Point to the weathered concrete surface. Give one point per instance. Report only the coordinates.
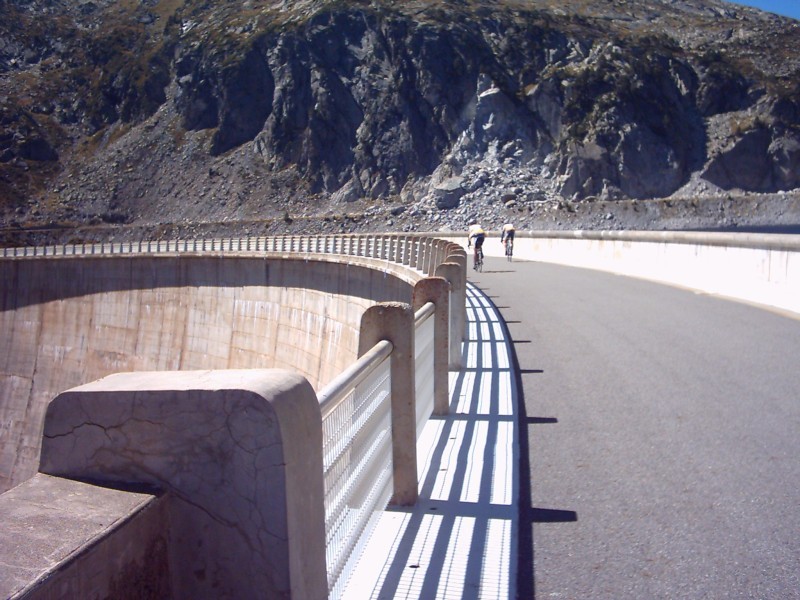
(240, 452)
(437, 290)
(67, 321)
(455, 274)
(395, 322)
(66, 539)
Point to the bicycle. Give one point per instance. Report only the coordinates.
(509, 248)
(477, 263)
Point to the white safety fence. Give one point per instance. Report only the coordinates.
(419, 252)
(357, 445)
(357, 457)
(423, 361)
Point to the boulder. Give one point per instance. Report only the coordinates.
(448, 193)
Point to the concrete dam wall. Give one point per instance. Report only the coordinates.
(70, 320)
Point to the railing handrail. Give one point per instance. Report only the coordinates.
(419, 252)
(337, 390)
(425, 312)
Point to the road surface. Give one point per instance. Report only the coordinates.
(663, 438)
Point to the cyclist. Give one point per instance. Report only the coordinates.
(507, 237)
(476, 232)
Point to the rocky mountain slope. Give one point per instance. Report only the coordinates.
(173, 117)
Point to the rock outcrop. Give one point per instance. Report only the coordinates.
(197, 110)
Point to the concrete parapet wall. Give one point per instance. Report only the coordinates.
(759, 268)
(69, 320)
(67, 539)
(240, 453)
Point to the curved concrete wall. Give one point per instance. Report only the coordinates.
(758, 268)
(67, 321)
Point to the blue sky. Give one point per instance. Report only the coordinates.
(789, 8)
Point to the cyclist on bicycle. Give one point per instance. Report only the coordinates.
(476, 232)
(507, 234)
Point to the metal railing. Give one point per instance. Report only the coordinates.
(357, 444)
(419, 252)
(356, 406)
(357, 457)
(423, 363)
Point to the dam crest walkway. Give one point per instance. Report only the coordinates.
(459, 540)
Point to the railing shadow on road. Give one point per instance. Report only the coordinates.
(540, 420)
(470, 533)
(460, 540)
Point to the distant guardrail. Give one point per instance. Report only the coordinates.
(419, 252)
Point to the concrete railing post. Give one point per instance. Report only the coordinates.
(394, 321)
(414, 244)
(382, 247)
(240, 452)
(457, 277)
(459, 256)
(393, 248)
(430, 263)
(437, 290)
(422, 254)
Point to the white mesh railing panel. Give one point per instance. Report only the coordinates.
(357, 458)
(423, 351)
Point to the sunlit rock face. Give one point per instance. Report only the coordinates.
(202, 110)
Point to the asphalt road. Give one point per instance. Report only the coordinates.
(663, 438)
